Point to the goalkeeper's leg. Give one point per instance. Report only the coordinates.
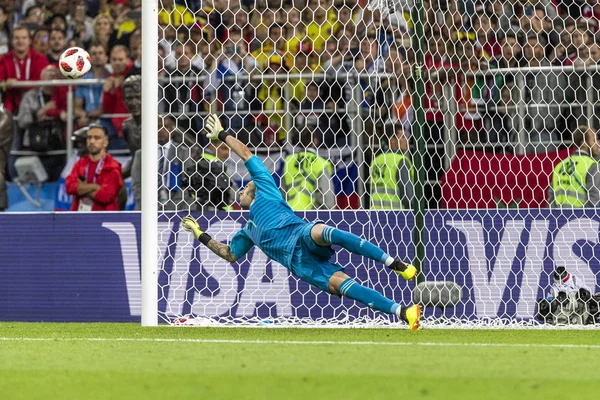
(324, 235)
(342, 285)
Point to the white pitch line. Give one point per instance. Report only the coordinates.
(299, 342)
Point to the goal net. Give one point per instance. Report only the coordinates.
(437, 126)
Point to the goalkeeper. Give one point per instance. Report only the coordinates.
(304, 248)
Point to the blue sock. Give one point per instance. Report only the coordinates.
(354, 244)
(368, 296)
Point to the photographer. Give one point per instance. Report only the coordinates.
(568, 303)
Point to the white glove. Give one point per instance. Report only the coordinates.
(214, 127)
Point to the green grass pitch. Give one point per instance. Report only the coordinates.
(126, 361)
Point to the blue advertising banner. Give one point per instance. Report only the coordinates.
(86, 266)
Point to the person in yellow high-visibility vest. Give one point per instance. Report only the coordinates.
(392, 175)
(576, 179)
(306, 180)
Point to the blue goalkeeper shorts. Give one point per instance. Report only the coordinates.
(311, 262)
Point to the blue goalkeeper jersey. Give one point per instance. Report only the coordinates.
(272, 224)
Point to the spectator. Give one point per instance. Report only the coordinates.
(184, 96)
(564, 49)
(512, 55)
(174, 14)
(80, 27)
(163, 74)
(262, 18)
(323, 22)
(57, 21)
(34, 16)
(306, 181)
(502, 121)
(20, 64)
(41, 41)
(576, 180)
(13, 16)
(572, 8)
(200, 37)
(241, 18)
(544, 91)
(368, 60)
(576, 88)
(135, 47)
(6, 128)
(345, 14)
(88, 98)
(41, 116)
(303, 64)
(167, 36)
(132, 127)
(581, 38)
(311, 109)
(102, 30)
(485, 27)
(112, 92)
(269, 98)
(177, 152)
(274, 45)
(592, 12)
(392, 175)
(224, 18)
(4, 32)
(540, 24)
(437, 65)
(229, 91)
(404, 113)
(58, 44)
(95, 180)
(336, 90)
(471, 93)
(125, 24)
(58, 7)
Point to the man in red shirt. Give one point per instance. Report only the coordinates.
(112, 92)
(20, 64)
(96, 179)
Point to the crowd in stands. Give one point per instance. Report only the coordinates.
(273, 68)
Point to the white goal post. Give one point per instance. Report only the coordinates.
(505, 97)
(149, 167)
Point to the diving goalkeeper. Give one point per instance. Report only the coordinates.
(304, 248)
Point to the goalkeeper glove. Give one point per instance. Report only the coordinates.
(215, 129)
(190, 225)
(214, 126)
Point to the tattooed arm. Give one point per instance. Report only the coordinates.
(240, 244)
(222, 250)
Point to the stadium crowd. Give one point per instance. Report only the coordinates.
(275, 68)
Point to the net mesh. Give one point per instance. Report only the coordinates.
(505, 86)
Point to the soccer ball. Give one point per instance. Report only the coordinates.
(74, 63)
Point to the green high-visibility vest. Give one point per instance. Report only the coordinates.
(568, 181)
(301, 172)
(385, 181)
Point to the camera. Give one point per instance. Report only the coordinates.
(209, 184)
(568, 303)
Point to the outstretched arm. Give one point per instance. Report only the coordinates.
(216, 131)
(220, 249)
